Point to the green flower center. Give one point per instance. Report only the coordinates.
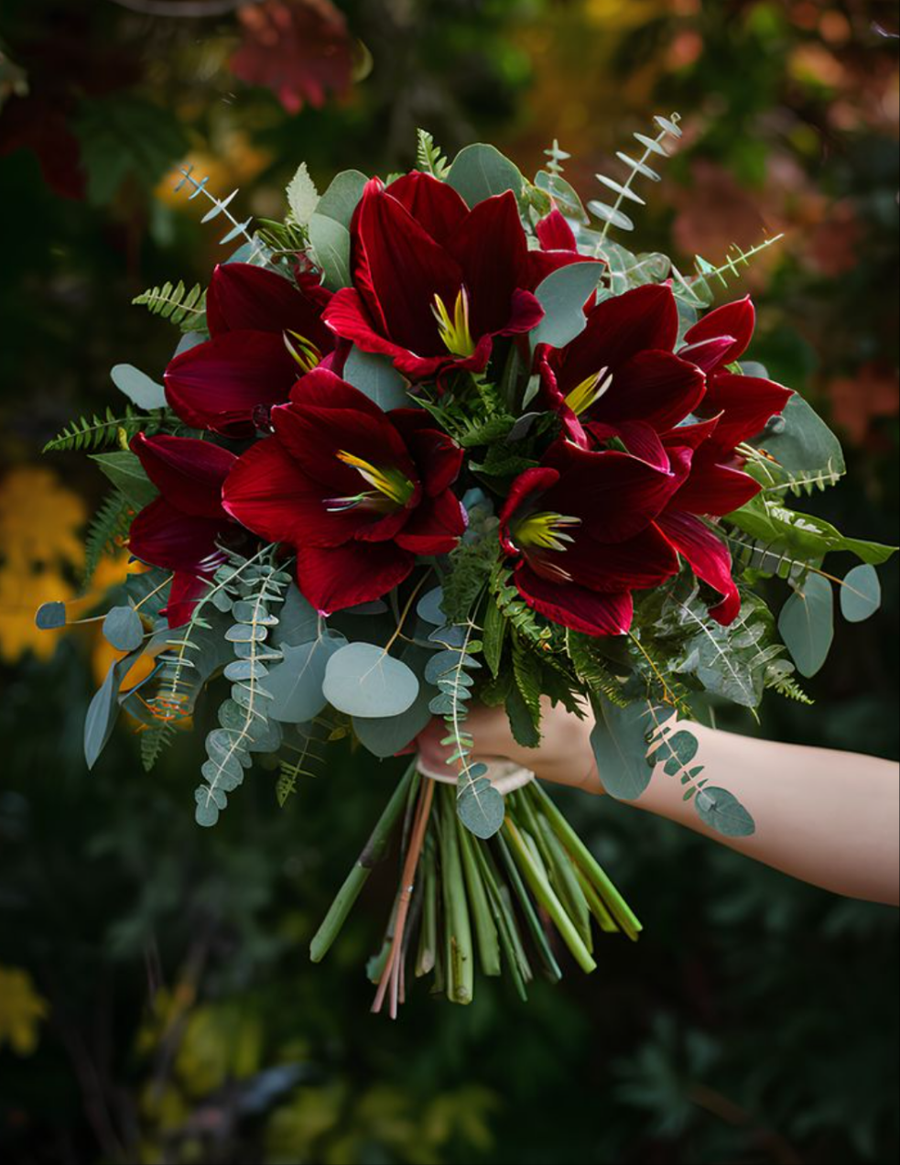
(589, 391)
(455, 330)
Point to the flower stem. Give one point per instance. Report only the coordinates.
(543, 891)
(485, 928)
(618, 907)
(372, 854)
(460, 955)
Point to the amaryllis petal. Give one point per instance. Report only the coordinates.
(348, 316)
(187, 472)
(524, 315)
(715, 489)
(654, 386)
(707, 355)
(268, 492)
(407, 269)
(322, 388)
(708, 557)
(438, 458)
(527, 488)
(640, 439)
(617, 495)
(162, 535)
(576, 607)
(435, 526)
(492, 252)
(543, 263)
(733, 319)
(432, 203)
(219, 384)
(747, 404)
(321, 440)
(243, 297)
(640, 562)
(555, 234)
(349, 575)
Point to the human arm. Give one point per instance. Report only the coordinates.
(827, 817)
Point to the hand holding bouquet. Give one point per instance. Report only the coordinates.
(439, 440)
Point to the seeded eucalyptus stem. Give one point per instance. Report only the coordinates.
(373, 852)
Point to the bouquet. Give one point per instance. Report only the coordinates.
(441, 439)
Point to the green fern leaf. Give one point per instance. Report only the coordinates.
(109, 525)
(429, 157)
(93, 432)
(153, 742)
(185, 307)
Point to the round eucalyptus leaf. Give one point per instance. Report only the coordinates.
(479, 806)
(429, 608)
(563, 295)
(724, 813)
(480, 172)
(50, 616)
(296, 686)
(138, 387)
(363, 680)
(860, 594)
(123, 629)
(806, 624)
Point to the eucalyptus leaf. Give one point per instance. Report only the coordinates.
(298, 621)
(479, 805)
(342, 197)
(378, 379)
(386, 736)
(429, 607)
(619, 743)
(296, 685)
(103, 710)
(803, 445)
(724, 813)
(480, 172)
(806, 624)
(806, 537)
(138, 387)
(563, 295)
(123, 629)
(364, 681)
(331, 241)
(127, 474)
(50, 616)
(860, 594)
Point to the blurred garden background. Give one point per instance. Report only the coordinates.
(156, 999)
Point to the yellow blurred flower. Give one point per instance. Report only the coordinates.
(21, 1010)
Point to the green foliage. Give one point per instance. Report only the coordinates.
(614, 216)
(109, 526)
(806, 623)
(797, 451)
(154, 740)
(516, 611)
(185, 307)
(93, 432)
(245, 724)
(429, 157)
(780, 679)
(471, 566)
(593, 670)
(124, 469)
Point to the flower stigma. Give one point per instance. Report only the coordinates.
(587, 393)
(303, 351)
(455, 331)
(391, 489)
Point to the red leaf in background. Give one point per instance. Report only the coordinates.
(300, 49)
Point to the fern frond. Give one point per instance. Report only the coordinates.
(305, 765)
(153, 742)
(108, 527)
(594, 671)
(429, 157)
(780, 678)
(614, 216)
(92, 432)
(185, 307)
(513, 607)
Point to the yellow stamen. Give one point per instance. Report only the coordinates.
(389, 482)
(455, 332)
(304, 351)
(545, 531)
(589, 391)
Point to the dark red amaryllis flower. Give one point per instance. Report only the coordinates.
(181, 530)
(621, 377)
(435, 283)
(358, 492)
(581, 528)
(265, 332)
(740, 407)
